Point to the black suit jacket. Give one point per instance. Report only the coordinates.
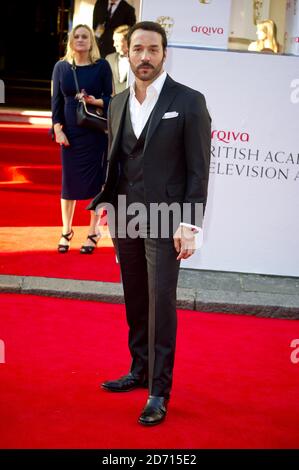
(176, 155)
(124, 14)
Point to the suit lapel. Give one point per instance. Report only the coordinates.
(116, 124)
(167, 95)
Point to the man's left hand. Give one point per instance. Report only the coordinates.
(184, 242)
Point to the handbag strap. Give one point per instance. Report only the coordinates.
(75, 76)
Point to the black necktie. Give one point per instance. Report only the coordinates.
(110, 10)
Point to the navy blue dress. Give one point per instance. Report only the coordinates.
(83, 162)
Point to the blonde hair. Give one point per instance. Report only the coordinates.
(123, 29)
(94, 53)
(269, 28)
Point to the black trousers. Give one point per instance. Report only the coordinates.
(150, 273)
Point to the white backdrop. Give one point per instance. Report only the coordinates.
(252, 216)
(191, 22)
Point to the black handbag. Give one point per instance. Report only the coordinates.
(88, 115)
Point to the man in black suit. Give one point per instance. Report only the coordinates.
(160, 138)
(108, 15)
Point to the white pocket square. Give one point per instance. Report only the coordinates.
(171, 114)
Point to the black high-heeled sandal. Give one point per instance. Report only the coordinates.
(68, 237)
(88, 250)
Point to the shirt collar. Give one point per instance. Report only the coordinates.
(115, 4)
(154, 87)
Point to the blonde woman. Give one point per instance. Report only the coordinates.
(266, 37)
(83, 151)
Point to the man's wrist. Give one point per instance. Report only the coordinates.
(197, 233)
(191, 227)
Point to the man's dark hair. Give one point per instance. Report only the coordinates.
(148, 26)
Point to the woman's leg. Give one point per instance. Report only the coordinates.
(94, 235)
(67, 213)
(93, 228)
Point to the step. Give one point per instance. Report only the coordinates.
(24, 116)
(28, 93)
(38, 174)
(25, 134)
(30, 187)
(18, 153)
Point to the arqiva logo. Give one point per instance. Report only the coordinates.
(208, 30)
(230, 136)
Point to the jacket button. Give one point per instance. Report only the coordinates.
(130, 183)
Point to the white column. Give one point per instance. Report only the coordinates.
(292, 27)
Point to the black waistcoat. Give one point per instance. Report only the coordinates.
(131, 159)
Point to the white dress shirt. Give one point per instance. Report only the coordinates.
(114, 6)
(123, 67)
(141, 112)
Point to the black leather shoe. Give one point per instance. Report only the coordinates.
(125, 384)
(154, 411)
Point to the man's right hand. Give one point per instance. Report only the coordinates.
(184, 242)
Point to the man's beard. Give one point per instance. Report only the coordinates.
(155, 71)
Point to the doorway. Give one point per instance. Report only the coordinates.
(32, 38)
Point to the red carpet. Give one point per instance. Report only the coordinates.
(30, 197)
(30, 179)
(36, 209)
(234, 383)
(101, 266)
(31, 251)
